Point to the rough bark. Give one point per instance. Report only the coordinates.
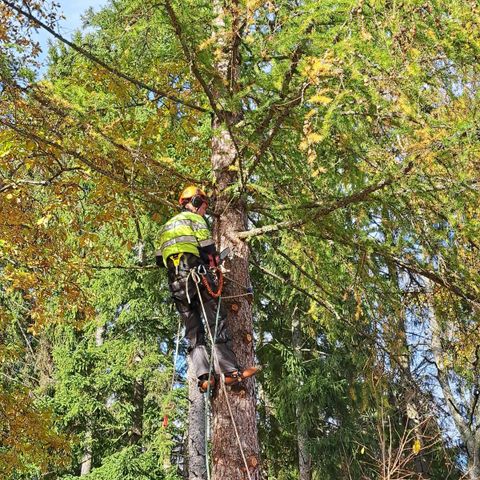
(197, 468)
(231, 218)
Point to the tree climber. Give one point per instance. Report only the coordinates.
(185, 244)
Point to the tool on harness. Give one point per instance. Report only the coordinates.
(215, 272)
(176, 260)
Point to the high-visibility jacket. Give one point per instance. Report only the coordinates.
(184, 233)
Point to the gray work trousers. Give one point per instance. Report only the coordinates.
(191, 314)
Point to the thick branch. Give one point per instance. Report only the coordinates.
(41, 183)
(100, 62)
(324, 210)
(255, 232)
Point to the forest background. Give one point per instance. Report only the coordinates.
(339, 142)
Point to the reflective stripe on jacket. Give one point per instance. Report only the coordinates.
(184, 233)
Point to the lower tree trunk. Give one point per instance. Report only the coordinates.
(473, 447)
(474, 469)
(86, 465)
(304, 457)
(197, 468)
(87, 458)
(138, 404)
(469, 430)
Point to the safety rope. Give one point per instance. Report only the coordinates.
(175, 358)
(207, 395)
(197, 278)
(177, 347)
(235, 427)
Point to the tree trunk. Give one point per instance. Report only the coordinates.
(304, 457)
(468, 430)
(197, 468)
(87, 458)
(86, 465)
(138, 404)
(231, 217)
(474, 457)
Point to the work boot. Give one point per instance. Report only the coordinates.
(238, 375)
(203, 383)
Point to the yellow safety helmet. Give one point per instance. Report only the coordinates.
(194, 195)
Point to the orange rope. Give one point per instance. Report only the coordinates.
(210, 291)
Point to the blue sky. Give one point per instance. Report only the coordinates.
(72, 11)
